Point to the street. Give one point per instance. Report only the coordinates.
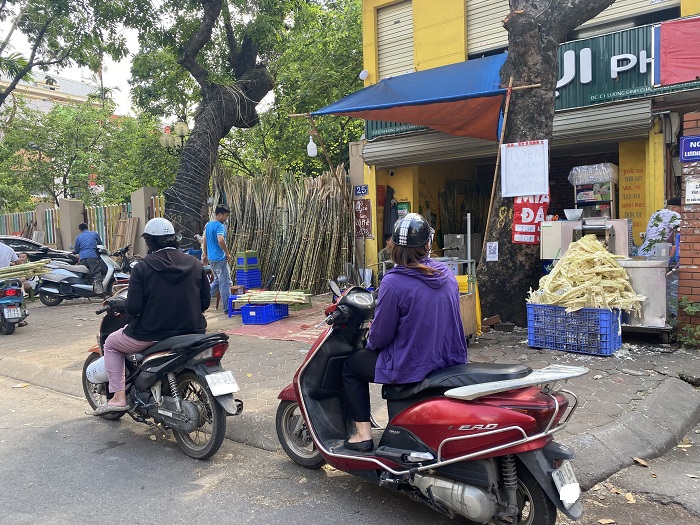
(62, 466)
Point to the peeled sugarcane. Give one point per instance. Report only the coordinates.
(24, 270)
(270, 297)
(587, 276)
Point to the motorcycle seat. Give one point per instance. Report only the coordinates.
(76, 268)
(442, 380)
(176, 343)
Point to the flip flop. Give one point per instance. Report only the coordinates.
(108, 409)
(22, 323)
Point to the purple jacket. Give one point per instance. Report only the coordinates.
(417, 327)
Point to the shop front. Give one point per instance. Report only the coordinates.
(618, 103)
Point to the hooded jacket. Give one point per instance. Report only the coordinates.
(417, 327)
(168, 291)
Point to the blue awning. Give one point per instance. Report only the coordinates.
(460, 99)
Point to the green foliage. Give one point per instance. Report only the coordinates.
(689, 335)
(316, 63)
(65, 32)
(313, 50)
(57, 154)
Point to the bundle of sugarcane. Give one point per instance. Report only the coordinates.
(272, 297)
(25, 270)
(587, 276)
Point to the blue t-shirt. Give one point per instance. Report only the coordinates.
(86, 244)
(211, 232)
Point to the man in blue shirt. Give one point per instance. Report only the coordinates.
(86, 247)
(215, 252)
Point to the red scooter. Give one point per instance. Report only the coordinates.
(472, 440)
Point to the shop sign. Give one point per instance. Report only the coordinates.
(614, 66)
(528, 215)
(690, 149)
(363, 218)
(692, 192)
(525, 168)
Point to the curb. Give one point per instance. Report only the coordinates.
(654, 427)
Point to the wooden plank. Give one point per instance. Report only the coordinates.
(467, 311)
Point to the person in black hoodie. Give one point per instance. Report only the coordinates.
(168, 293)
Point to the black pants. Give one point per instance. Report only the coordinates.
(93, 264)
(358, 373)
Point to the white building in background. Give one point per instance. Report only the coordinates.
(42, 95)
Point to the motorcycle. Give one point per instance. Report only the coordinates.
(472, 440)
(73, 281)
(177, 384)
(12, 310)
(125, 263)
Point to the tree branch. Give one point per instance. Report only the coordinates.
(232, 56)
(212, 10)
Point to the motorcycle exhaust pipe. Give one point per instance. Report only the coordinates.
(466, 500)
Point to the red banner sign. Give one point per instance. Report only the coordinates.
(528, 214)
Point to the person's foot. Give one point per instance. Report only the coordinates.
(22, 323)
(109, 409)
(360, 446)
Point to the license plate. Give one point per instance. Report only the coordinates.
(563, 476)
(222, 383)
(12, 313)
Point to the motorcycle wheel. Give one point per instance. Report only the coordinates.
(206, 439)
(7, 328)
(50, 300)
(294, 437)
(535, 507)
(96, 395)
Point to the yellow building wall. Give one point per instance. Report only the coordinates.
(641, 182)
(690, 7)
(439, 34)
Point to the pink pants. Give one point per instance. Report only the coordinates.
(116, 347)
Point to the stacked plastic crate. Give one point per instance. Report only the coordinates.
(248, 269)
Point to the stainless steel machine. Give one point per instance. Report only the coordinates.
(556, 236)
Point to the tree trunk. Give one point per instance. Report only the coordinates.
(222, 108)
(535, 30)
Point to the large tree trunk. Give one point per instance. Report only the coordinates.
(535, 30)
(222, 108)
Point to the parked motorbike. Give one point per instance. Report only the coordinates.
(73, 281)
(126, 262)
(12, 310)
(471, 440)
(176, 384)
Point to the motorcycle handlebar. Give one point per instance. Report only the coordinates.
(104, 309)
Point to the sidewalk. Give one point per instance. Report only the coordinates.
(632, 404)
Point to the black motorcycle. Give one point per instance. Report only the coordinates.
(177, 384)
(126, 262)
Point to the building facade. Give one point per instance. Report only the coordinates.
(43, 92)
(613, 106)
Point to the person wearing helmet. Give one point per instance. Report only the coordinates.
(417, 326)
(168, 293)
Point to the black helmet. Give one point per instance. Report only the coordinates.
(411, 231)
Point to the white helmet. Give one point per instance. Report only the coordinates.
(96, 372)
(159, 227)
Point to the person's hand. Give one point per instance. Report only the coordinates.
(205, 260)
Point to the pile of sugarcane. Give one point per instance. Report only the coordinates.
(272, 297)
(24, 270)
(301, 227)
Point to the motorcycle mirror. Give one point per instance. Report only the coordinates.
(335, 288)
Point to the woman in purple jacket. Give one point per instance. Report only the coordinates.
(417, 327)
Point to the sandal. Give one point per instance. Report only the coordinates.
(108, 409)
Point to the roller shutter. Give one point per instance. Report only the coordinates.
(485, 30)
(395, 39)
(599, 124)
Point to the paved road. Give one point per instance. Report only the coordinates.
(61, 466)
(58, 465)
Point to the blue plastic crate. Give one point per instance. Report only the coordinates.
(249, 279)
(263, 313)
(232, 310)
(595, 331)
